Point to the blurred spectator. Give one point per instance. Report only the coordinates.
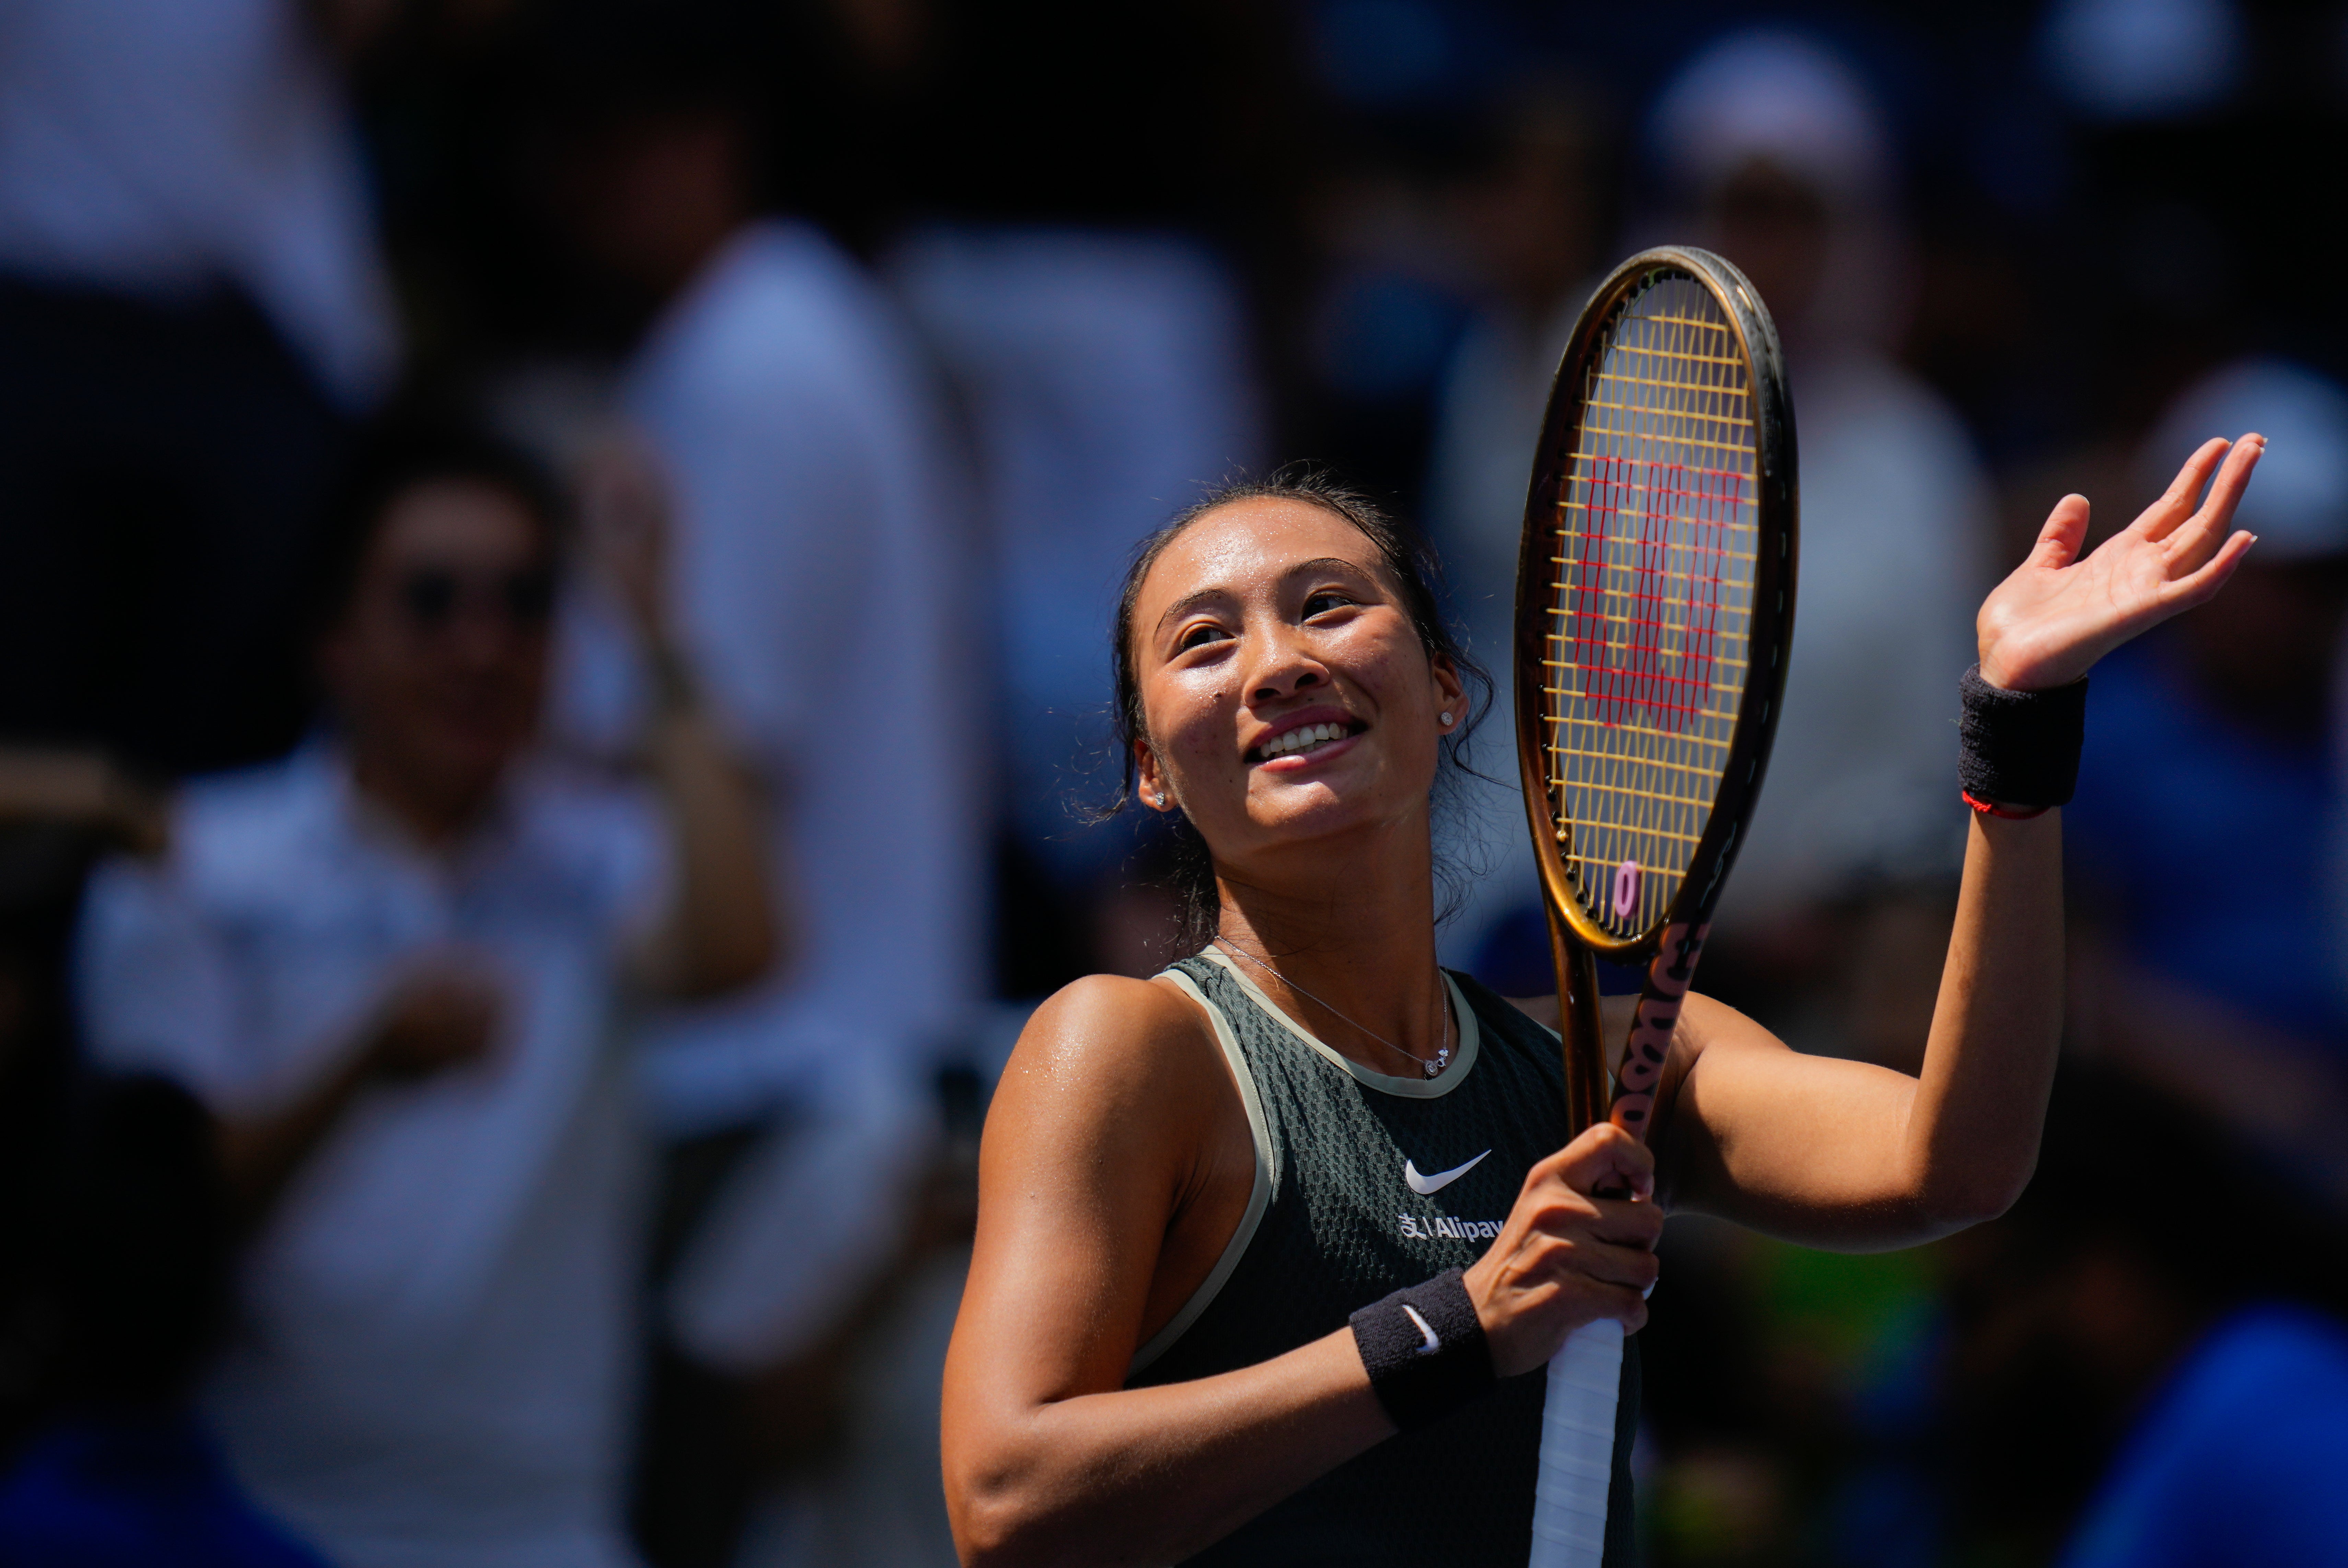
(1788, 170)
(2210, 748)
(2148, 1357)
(1083, 296)
(57, 810)
(820, 543)
(389, 965)
(124, 1476)
(2240, 1457)
(190, 308)
(113, 1245)
(1105, 380)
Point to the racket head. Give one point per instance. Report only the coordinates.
(1654, 599)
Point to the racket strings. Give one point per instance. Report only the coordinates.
(1652, 599)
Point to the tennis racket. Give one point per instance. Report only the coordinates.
(1655, 605)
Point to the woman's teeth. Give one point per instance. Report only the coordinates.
(1303, 738)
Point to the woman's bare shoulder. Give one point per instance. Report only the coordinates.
(1110, 1044)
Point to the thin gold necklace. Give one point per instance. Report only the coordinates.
(1442, 1029)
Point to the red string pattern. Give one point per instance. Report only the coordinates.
(1664, 528)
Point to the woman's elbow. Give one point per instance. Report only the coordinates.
(995, 1523)
(1957, 1201)
(984, 1538)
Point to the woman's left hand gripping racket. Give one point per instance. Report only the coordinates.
(1654, 605)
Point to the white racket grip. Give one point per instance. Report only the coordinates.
(1577, 1451)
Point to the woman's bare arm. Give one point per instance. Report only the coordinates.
(1854, 1157)
(1847, 1155)
(1839, 1153)
(1101, 1143)
(1094, 1144)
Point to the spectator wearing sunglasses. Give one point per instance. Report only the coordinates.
(389, 965)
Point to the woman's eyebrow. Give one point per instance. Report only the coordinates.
(1183, 605)
(1330, 563)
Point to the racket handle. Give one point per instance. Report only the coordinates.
(1577, 1451)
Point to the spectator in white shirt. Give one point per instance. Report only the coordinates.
(824, 585)
(389, 965)
(1106, 381)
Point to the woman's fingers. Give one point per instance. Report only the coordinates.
(1605, 1159)
(2197, 541)
(2175, 504)
(2215, 520)
(2198, 585)
(1625, 1223)
(1574, 1270)
(1632, 1267)
(1611, 1238)
(2065, 529)
(1625, 1306)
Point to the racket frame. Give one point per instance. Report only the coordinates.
(1576, 939)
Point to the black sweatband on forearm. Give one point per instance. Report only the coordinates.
(1425, 1350)
(2019, 748)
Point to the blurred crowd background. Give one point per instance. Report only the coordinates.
(555, 558)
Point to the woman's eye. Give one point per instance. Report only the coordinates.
(1198, 636)
(1322, 603)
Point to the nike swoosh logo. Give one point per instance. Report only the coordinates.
(1433, 1343)
(1428, 1187)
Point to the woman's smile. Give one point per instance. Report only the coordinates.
(1303, 741)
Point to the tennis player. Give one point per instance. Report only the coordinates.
(1271, 1245)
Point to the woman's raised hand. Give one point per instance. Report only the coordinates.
(2046, 624)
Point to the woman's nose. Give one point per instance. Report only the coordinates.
(1285, 669)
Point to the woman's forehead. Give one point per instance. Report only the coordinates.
(1249, 543)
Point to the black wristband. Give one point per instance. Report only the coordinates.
(1425, 1350)
(2019, 748)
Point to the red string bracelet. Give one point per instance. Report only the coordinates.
(2011, 814)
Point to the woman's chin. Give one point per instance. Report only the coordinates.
(1318, 807)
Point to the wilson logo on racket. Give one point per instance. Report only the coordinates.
(1641, 602)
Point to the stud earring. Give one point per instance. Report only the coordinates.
(1447, 719)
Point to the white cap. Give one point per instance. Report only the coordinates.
(1767, 92)
(2298, 502)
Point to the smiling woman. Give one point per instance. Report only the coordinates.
(1406, 570)
(1219, 1309)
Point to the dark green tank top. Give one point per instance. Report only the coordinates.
(1366, 1183)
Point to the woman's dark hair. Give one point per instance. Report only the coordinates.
(395, 457)
(1408, 560)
